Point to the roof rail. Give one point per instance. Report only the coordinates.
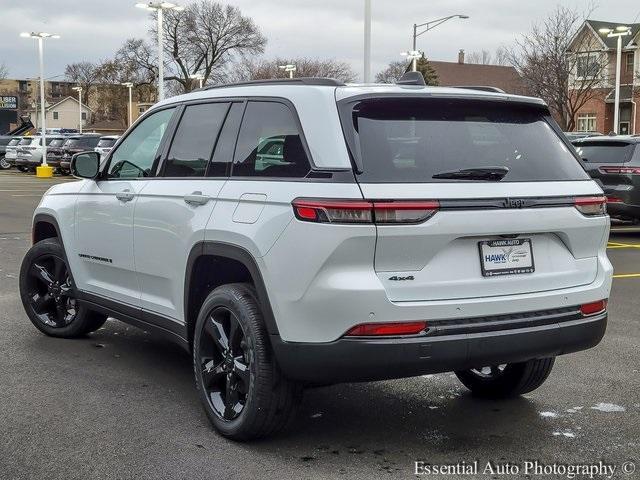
(323, 82)
(481, 88)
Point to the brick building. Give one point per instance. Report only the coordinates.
(595, 58)
(462, 74)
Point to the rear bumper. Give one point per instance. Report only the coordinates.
(366, 359)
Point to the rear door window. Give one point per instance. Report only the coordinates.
(270, 143)
(195, 139)
(605, 152)
(412, 140)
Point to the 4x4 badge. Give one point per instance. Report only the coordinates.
(401, 279)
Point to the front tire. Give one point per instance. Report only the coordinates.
(509, 380)
(48, 293)
(4, 164)
(241, 387)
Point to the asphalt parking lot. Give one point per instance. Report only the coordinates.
(121, 404)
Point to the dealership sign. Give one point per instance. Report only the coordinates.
(8, 102)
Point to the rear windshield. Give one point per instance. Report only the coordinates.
(605, 152)
(106, 142)
(411, 140)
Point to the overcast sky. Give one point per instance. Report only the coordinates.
(93, 30)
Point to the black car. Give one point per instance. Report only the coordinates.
(615, 163)
(577, 135)
(60, 157)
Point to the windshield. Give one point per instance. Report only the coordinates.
(26, 141)
(13, 142)
(605, 152)
(71, 142)
(106, 142)
(415, 140)
(56, 142)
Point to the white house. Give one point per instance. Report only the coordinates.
(63, 114)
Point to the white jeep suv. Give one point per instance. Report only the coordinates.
(304, 231)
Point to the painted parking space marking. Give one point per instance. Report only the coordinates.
(627, 275)
(614, 245)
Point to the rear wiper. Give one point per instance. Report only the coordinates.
(491, 174)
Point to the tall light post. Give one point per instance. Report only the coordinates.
(79, 90)
(199, 77)
(288, 68)
(367, 41)
(617, 32)
(413, 55)
(129, 85)
(44, 170)
(159, 8)
(428, 26)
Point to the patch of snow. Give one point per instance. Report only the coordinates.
(549, 415)
(608, 407)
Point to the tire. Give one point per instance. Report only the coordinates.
(509, 380)
(22, 169)
(4, 164)
(240, 385)
(47, 292)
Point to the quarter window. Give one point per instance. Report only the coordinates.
(137, 153)
(195, 139)
(270, 144)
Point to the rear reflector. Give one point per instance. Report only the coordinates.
(620, 170)
(593, 308)
(591, 206)
(364, 211)
(386, 329)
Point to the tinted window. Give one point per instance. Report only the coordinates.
(195, 139)
(14, 141)
(411, 140)
(106, 142)
(57, 142)
(269, 144)
(26, 141)
(71, 143)
(136, 154)
(223, 155)
(605, 152)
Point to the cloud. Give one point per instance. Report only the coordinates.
(92, 30)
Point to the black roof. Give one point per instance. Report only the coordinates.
(612, 42)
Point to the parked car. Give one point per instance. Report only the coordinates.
(394, 232)
(60, 156)
(29, 152)
(105, 144)
(4, 141)
(615, 163)
(11, 151)
(576, 135)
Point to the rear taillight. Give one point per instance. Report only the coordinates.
(614, 200)
(620, 170)
(386, 329)
(593, 308)
(591, 206)
(364, 211)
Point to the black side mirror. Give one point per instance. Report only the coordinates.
(85, 165)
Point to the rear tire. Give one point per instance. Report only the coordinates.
(243, 392)
(22, 169)
(48, 293)
(510, 380)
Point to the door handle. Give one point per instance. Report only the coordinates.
(125, 195)
(196, 199)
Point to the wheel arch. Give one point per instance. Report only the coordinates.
(213, 251)
(45, 226)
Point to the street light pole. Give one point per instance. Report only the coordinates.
(288, 68)
(619, 32)
(129, 85)
(367, 41)
(79, 90)
(44, 170)
(429, 26)
(159, 8)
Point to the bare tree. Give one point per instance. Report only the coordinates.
(484, 57)
(84, 74)
(204, 38)
(549, 62)
(396, 70)
(305, 67)
(4, 71)
(392, 73)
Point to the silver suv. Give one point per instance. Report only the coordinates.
(304, 231)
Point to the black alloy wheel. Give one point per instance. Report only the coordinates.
(225, 364)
